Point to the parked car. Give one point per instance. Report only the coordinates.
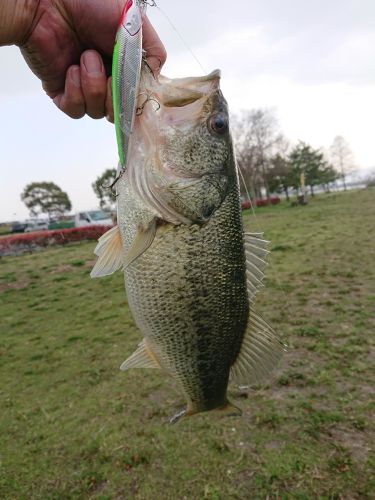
(18, 227)
(93, 218)
(36, 225)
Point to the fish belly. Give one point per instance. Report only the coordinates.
(187, 293)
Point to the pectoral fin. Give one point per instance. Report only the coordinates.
(260, 352)
(142, 241)
(143, 357)
(110, 253)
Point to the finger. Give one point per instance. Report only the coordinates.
(155, 50)
(108, 102)
(72, 101)
(94, 83)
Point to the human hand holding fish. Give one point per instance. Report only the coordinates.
(68, 44)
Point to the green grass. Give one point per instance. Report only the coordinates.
(4, 230)
(73, 426)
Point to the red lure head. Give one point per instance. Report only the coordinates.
(127, 6)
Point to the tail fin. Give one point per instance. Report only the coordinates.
(227, 410)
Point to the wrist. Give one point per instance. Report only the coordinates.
(16, 20)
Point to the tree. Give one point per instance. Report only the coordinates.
(103, 190)
(280, 176)
(257, 139)
(342, 158)
(308, 161)
(327, 176)
(45, 198)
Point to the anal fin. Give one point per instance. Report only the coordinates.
(143, 357)
(260, 352)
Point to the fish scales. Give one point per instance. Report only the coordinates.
(188, 296)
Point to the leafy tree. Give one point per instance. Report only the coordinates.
(308, 161)
(280, 176)
(342, 157)
(327, 176)
(45, 198)
(103, 190)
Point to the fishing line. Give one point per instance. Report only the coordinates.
(249, 197)
(186, 45)
(188, 48)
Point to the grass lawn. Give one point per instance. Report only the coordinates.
(73, 426)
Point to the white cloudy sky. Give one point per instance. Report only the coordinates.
(313, 61)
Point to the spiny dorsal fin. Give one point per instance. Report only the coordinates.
(256, 254)
(143, 357)
(260, 352)
(142, 241)
(110, 253)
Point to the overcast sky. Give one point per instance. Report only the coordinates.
(311, 61)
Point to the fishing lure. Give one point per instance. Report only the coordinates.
(126, 70)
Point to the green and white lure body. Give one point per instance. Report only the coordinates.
(126, 70)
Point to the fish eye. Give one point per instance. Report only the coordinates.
(218, 123)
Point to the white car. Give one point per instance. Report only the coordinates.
(36, 225)
(93, 218)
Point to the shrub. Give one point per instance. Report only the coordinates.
(28, 242)
(273, 200)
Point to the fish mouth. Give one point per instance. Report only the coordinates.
(181, 92)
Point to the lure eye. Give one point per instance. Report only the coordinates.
(219, 123)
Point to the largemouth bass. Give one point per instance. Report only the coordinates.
(191, 272)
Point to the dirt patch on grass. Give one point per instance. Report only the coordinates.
(355, 441)
(17, 285)
(62, 269)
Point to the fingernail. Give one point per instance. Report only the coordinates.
(75, 76)
(92, 63)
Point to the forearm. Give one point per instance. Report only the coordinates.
(16, 20)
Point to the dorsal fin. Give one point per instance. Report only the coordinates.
(260, 352)
(256, 255)
(110, 253)
(142, 357)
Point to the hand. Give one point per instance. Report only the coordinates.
(70, 49)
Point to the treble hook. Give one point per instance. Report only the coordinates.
(118, 177)
(140, 109)
(150, 3)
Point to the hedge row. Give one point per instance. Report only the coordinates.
(273, 200)
(20, 243)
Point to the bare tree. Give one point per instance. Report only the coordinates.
(257, 139)
(342, 158)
